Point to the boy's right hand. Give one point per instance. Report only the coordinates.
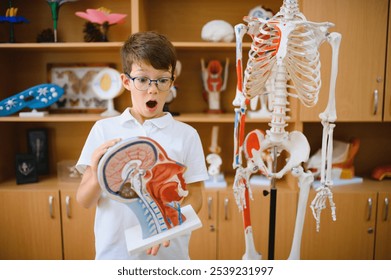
(100, 151)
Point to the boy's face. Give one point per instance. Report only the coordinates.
(146, 104)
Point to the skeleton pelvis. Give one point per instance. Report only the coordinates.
(258, 148)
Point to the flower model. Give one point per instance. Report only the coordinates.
(55, 8)
(11, 18)
(103, 18)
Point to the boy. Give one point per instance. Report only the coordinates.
(149, 61)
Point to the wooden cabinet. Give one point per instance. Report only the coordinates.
(222, 234)
(30, 222)
(360, 231)
(41, 221)
(203, 242)
(362, 59)
(383, 226)
(77, 227)
(387, 93)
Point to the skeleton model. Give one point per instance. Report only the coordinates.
(285, 50)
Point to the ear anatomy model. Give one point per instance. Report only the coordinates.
(285, 52)
(37, 97)
(138, 172)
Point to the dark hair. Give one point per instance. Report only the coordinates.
(149, 47)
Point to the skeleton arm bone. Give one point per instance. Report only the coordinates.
(240, 30)
(330, 113)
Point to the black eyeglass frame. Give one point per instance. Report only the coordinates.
(156, 81)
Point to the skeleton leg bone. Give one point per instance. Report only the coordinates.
(305, 181)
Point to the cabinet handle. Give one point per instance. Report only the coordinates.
(375, 101)
(68, 205)
(226, 208)
(210, 200)
(51, 198)
(369, 209)
(386, 209)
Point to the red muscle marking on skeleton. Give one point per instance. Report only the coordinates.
(246, 211)
(252, 142)
(239, 72)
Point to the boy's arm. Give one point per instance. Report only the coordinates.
(89, 190)
(194, 198)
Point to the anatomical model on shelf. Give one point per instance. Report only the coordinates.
(96, 30)
(218, 31)
(36, 97)
(138, 172)
(107, 85)
(173, 90)
(342, 171)
(12, 19)
(214, 78)
(55, 6)
(284, 49)
(216, 177)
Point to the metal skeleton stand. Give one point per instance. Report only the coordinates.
(284, 54)
(273, 209)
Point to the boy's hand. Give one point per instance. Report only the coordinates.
(100, 151)
(153, 251)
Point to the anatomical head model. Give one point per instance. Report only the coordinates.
(137, 171)
(283, 52)
(214, 78)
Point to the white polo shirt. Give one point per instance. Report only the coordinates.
(181, 143)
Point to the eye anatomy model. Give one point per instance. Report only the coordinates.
(107, 85)
(138, 172)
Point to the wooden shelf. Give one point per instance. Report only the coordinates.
(110, 46)
(189, 118)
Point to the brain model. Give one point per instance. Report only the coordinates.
(137, 171)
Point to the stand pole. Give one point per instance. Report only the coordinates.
(273, 207)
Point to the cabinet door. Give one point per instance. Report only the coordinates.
(77, 228)
(351, 236)
(30, 225)
(203, 242)
(360, 82)
(383, 227)
(231, 241)
(387, 94)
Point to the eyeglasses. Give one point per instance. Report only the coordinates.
(143, 83)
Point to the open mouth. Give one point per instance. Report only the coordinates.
(151, 104)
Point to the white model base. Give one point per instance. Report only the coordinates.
(33, 114)
(259, 180)
(217, 181)
(340, 182)
(135, 243)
